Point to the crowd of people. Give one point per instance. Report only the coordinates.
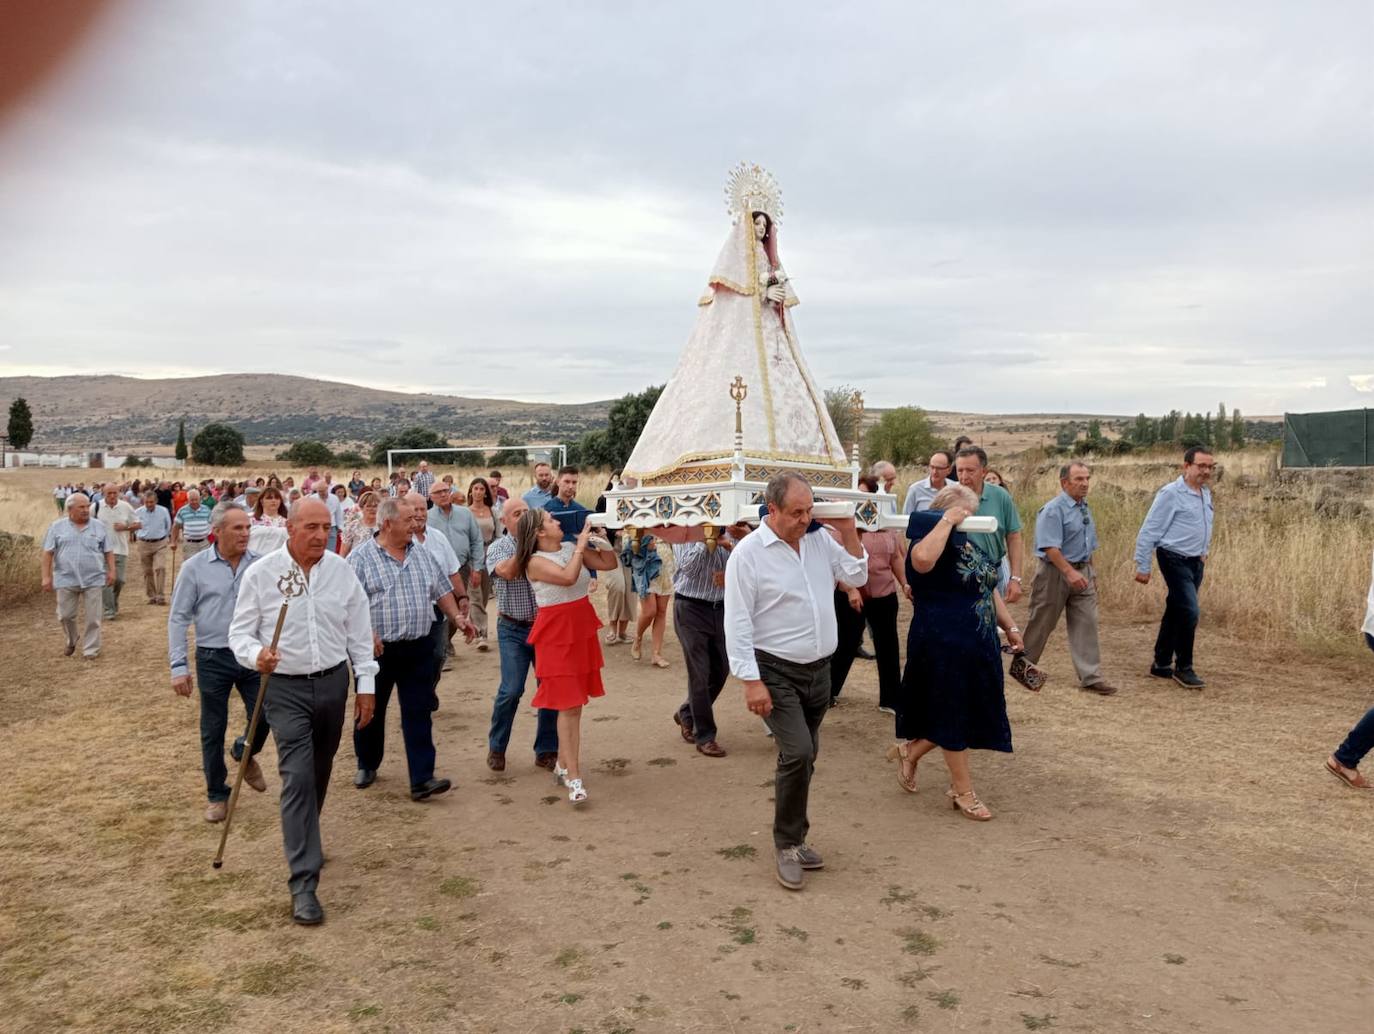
(380, 578)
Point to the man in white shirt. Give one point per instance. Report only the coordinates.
(327, 627)
(118, 517)
(331, 502)
(779, 634)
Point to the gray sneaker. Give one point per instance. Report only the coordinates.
(790, 868)
(809, 859)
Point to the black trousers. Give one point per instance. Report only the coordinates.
(306, 716)
(801, 696)
(850, 625)
(880, 614)
(406, 666)
(700, 627)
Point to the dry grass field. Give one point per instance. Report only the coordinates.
(1160, 861)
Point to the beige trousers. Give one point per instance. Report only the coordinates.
(153, 557)
(1050, 597)
(94, 602)
(190, 549)
(620, 598)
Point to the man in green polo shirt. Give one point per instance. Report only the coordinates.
(971, 465)
(191, 526)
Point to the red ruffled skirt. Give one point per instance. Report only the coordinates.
(567, 655)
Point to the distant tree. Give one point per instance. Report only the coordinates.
(1237, 430)
(307, 453)
(593, 449)
(508, 457)
(903, 436)
(1168, 426)
(1065, 435)
(1207, 429)
(350, 458)
(20, 428)
(412, 438)
(624, 424)
(842, 404)
(181, 440)
(217, 445)
(134, 461)
(1221, 430)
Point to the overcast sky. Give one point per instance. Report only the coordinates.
(993, 206)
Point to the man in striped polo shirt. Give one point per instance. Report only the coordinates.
(699, 620)
(191, 526)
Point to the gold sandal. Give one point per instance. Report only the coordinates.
(975, 809)
(897, 752)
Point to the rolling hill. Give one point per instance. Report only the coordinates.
(117, 412)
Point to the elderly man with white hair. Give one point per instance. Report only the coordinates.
(78, 562)
(191, 526)
(117, 514)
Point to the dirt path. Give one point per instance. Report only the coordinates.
(1160, 861)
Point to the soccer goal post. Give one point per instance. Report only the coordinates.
(535, 452)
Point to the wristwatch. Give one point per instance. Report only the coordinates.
(1015, 578)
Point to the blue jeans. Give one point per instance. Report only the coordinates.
(218, 672)
(1183, 576)
(332, 546)
(517, 657)
(1361, 738)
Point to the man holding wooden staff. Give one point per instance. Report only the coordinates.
(326, 628)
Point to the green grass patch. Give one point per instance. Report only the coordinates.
(738, 851)
(1037, 1022)
(918, 942)
(568, 957)
(944, 999)
(458, 887)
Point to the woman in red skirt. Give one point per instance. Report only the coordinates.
(567, 653)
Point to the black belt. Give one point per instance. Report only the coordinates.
(773, 658)
(150, 541)
(713, 604)
(313, 674)
(206, 539)
(515, 621)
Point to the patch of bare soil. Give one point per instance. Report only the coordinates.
(1159, 861)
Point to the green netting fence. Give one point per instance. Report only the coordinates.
(1343, 438)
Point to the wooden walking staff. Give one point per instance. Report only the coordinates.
(290, 585)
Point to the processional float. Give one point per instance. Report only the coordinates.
(741, 405)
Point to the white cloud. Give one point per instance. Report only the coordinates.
(1361, 381)
(525, 204)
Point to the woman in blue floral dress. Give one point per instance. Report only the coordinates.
(952, 694)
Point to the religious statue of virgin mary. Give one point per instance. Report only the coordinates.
(743, 329)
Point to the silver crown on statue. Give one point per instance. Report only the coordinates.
(752, 188)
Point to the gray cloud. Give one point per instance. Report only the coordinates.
(1114, 208)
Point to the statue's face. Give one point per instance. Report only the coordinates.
(760, 226)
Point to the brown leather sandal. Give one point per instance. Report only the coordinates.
(1355, 782)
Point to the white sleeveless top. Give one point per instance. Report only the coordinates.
(546, 594)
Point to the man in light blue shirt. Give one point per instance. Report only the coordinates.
(205, 594)
(1064, 583)
(1178, 529)
(919, 495)
(78, 562)
(540, 495)
(153, 524)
